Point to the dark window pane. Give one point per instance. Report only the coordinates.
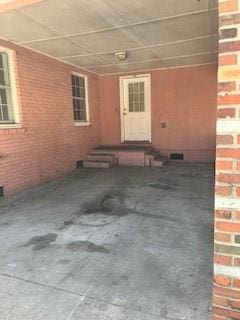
(5, 113)
(82, 104)
(78, 104)
(135, 86)
(1, 60)
(82, 92)
(83, 115)
(78, 92)
(130, 87)
(81, 82)
(2, 77)
(3, 96)
(77, 81)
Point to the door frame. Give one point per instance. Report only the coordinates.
(149, 100)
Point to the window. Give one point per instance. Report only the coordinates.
(7, 102)
(136, 97)
(79, 94)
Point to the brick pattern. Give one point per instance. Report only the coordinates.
(48, 144)
(226, 291)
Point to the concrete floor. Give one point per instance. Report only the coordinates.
(122, 243)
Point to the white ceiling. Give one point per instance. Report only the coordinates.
(87, 33)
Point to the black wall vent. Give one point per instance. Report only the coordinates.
(79, 164)
(176, 156)
(1, 192)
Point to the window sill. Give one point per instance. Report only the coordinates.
(10, 126)
(82, 124)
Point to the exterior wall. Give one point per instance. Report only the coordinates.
(183, 98)
(48, 144)
(226, 292)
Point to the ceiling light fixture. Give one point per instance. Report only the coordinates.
(121, 56)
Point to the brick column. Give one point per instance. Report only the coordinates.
(226, 291)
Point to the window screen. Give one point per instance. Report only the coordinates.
(79, 98)
(5, 90)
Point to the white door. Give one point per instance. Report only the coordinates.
(135, 108)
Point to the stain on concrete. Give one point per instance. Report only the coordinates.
(64, 261)
(109, 205)
(5, 224)
(42, 242)
(101, 208)
(114, 206)
(86, 246)
(66, 224)
(164, 183)
(162, 186)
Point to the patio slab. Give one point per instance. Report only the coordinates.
(122, 243)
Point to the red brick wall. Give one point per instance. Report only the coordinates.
(226, 292)
(48, 144)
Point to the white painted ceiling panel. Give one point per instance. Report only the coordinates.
(180, 28)
(16, 27)
(110, 40)
(136, 11)
(144, 65)
(106, 69)
(86, 61)
(190, 60)
(190, 47)
(75, 16)
(58, 47)
(88, 33)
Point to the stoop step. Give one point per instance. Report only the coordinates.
(106, 157)
(163, 159)
(96, 164)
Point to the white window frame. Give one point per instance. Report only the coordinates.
(87, 121)
(13, 90)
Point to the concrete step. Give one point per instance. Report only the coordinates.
(161, 158)
(96, 164)
(156, 163)
(101, 157)
(100, 151)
